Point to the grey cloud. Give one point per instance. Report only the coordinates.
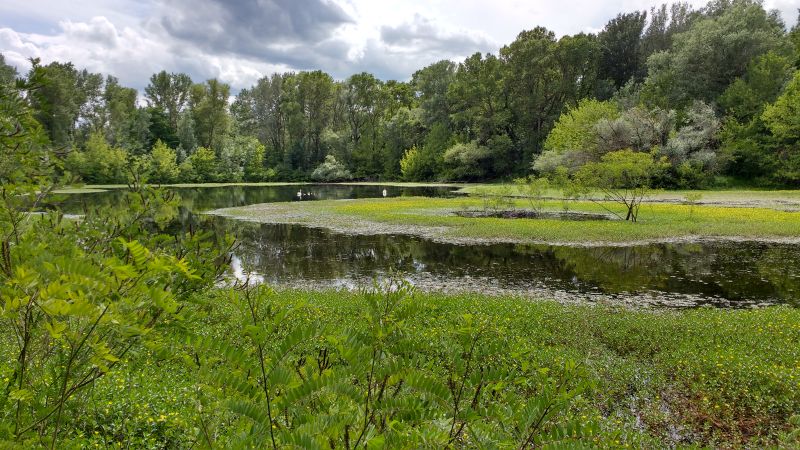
(255, 28)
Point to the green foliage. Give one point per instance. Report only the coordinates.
(575, 129)
(467, 161)
(8, 73)
(375, 383)
(78, 297)
(201, 166)
(782, 118)
(99, 163)
(704, 60)
(331, 170)
(624, 177)
(766, 76)
(163, 164)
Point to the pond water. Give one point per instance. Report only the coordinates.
(723, 274)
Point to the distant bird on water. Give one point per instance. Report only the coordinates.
(385, 193)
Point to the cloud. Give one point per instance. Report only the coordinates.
(423, 35)
(131, 54)
(271, 29)
(400, 50)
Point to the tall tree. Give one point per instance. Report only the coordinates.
(532, 72)
(365, 102)
(169, 92)
(431, 85)
(65, 97)
(621, 47)
(209, 104)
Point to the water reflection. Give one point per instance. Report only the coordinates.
(207, 198)
(721, 273)
(716, 273)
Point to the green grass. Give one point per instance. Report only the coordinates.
(717, 377)
(79, 190)
(434, 218)
(768, 198)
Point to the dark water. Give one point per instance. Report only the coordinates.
(724, 274)
(207, 198)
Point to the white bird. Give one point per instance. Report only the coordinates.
(300, 194)
(385, 193)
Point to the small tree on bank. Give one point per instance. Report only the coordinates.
(624, 177)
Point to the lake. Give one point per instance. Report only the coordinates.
(676, 275)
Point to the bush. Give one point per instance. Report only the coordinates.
(331, 170)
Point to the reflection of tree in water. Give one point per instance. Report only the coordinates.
(619, 269)
(730, 271)
(781, 266)
(207, 198)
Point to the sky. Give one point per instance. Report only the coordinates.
(239, 41)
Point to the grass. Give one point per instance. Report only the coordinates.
(767, 198)
(434, 218)
(79, 190)
(712, 377)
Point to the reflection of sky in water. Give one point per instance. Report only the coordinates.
(722, 273)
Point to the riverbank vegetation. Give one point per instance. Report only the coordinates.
(428, 369)
(438, 218)
(719, 114)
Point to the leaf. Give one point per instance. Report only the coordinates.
(55, 329)
(20, 395)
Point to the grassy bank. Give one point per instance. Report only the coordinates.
(651, 379)
(435, 218)
(779, 199)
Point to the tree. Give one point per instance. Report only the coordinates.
(187, 143)
(365, 105)
(531, 75)
(431, 85)
(621, 48)
(241, 159)
(331, 170)
(169, 92)
(402, 131)
(8, 73)
(692, 150)
(575, 139)
(65, 97)
(163, 164)
(782, 119)
(766, 76)
(200, 166)
(99, 163)
(119, 111)
(575, 129)
(624, 177)
(714, 52)
(209, 106)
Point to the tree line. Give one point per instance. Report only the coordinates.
(712, 94)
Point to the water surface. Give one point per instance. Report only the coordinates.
(723, 274)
